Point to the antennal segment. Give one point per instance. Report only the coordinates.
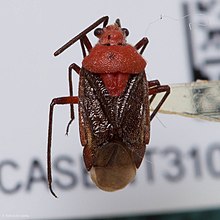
(80, 35)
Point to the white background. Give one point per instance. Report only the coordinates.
(30, 77)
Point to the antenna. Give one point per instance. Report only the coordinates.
(80, 35)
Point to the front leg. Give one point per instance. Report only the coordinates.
(84, 42)
(142, 44)
(77, 69)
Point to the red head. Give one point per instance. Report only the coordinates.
(112, 34)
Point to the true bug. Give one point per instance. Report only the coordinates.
(113, 103)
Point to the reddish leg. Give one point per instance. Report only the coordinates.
(55, 101)
(142, 44)
(154, 89)
(84, 42)
(152, 84)
(77, 69)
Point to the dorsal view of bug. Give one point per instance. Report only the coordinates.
(114, 98)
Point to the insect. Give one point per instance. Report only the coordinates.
(113, 100)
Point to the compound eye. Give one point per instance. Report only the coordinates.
(125, 31)
(98, 32)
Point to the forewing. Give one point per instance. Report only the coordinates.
(135, 120)
(104, 118)
(92, 109)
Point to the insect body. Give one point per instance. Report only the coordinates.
(113, 101)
